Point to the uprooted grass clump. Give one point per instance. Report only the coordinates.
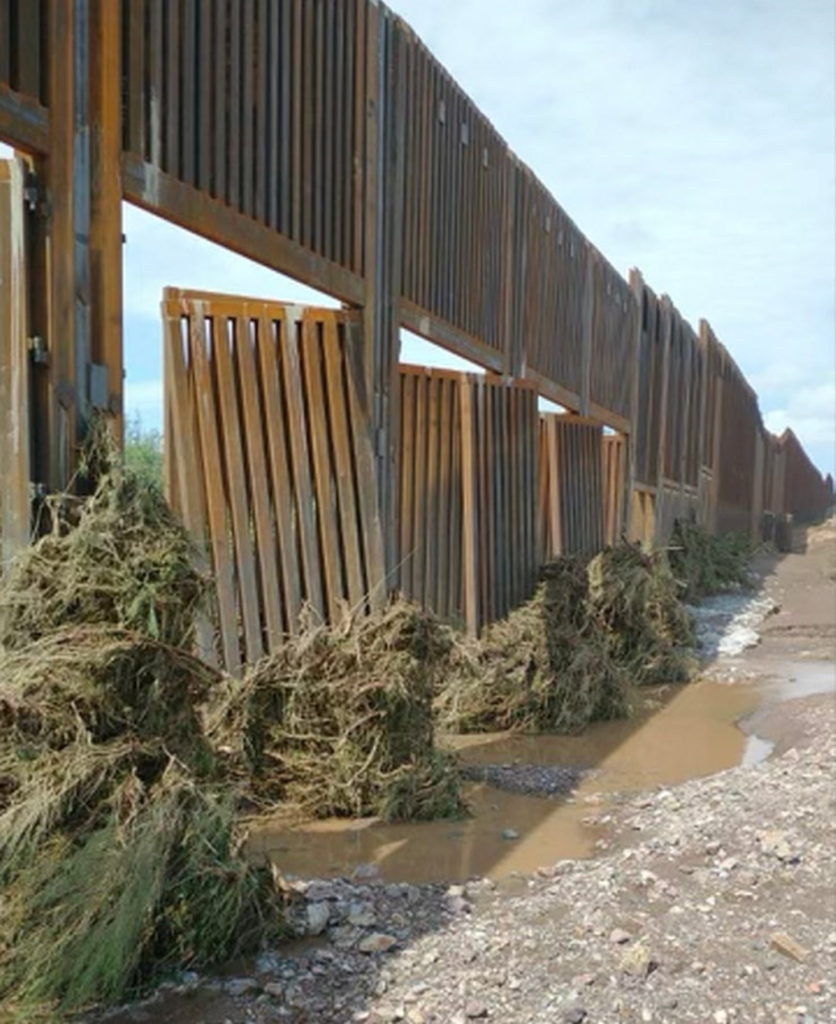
(632, 598)
(340, 722)
(703, 563)
(117, 558)
(594, 631)
(119, 858)
(544, 668)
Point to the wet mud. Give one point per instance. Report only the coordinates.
(684, 732)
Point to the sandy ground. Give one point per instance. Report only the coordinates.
(711, 900)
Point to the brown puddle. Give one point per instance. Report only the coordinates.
(690, 732)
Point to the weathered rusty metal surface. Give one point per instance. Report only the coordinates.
(574, 491)
(806, 495)
(468, 493)
(15, 411)
(269, 462)
(323, 139)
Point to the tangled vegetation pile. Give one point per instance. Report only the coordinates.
(632, 597)
(340, 721)
(703, 563)
(594, 630)
(118, 855)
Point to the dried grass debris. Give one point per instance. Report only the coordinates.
(119, 853)
(704, 563)
(594, 631)
(339, 721)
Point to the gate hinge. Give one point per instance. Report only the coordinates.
(31, 191)
(35, 197)
(38, 350)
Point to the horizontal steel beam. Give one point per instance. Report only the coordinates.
(24, 123)
(160, 193)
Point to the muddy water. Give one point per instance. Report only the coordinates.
(686, 732)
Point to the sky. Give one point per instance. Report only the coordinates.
(692, 140)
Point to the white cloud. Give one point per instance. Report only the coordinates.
(811, 413)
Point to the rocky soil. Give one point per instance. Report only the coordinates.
(713, 901)
(536, 779)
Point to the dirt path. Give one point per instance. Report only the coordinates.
(713, 900)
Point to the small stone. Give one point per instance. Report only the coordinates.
(619, 936)
(583, 980)
(721, 1017)
(317, 891)
(787, 946)
(361, 915)
(274, 989)
(457, 904)
(267, 962)
(575, 1015)
(414, 1015)
(316, 917)
(776, 843)
(712, 848)
(365, 872)
(637, 961)
(377, 942)
(236, 987)
(510, 833)
(475, 1010)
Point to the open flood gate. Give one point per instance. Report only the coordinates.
(269, 461)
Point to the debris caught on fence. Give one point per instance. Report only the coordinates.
(632, 597)
(119, 557)
(703, 563)
(544, 668)
(339, 721)
(594, 631)
(119, 855)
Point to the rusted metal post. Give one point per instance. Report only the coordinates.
(666, 310)
(64, 396)
(76, 305)
(588, 327)
(106, 372)
(14, 366)
(636, 282)
(383, 234)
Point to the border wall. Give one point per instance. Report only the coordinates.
(323, 139)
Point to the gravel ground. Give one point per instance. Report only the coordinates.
(534, 779)
(713, 901)
(716, 904)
